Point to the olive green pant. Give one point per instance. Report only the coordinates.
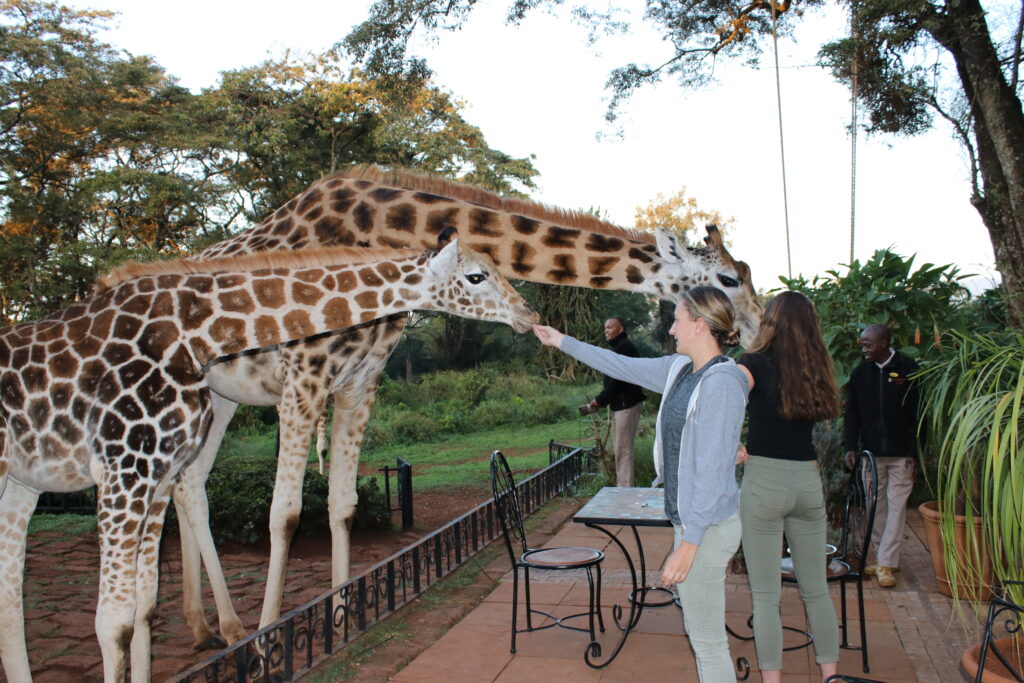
(776, 496)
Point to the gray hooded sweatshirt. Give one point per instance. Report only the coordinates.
(706, 492)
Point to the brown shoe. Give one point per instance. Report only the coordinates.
(886, 577)
(872, 569)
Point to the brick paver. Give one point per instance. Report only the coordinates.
(914, 632)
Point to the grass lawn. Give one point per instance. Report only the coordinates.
(464, 459)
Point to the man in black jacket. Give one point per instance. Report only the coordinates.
(624, 399)
(881, 416)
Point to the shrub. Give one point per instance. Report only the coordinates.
(547, 409)
(917, 304)
(373, 510)
(240, 490)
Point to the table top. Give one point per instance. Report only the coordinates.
(642, 506)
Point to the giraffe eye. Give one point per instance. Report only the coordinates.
(728, 281)
(476, 278)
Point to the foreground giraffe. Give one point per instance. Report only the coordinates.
(369, 207)
(111, 392)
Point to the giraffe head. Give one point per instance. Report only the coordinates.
(469, 285)
(716, 267)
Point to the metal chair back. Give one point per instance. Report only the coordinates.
(859, 512)
(506, 506)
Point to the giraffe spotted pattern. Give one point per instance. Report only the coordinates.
(111, 391)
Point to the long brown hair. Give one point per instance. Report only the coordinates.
(791, 331)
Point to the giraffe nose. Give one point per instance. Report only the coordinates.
(522, 324)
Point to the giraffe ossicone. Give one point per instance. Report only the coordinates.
(111, 391)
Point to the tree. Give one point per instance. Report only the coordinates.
(680, 214)
(294, 120)
(103, 157)
(88, 169)
(898, 89)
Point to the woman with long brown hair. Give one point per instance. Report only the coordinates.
(792, 386)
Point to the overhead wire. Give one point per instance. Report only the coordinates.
(782, 144)
(853, 132)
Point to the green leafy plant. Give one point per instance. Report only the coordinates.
(241, 488)
(972, 413)
(886, 289)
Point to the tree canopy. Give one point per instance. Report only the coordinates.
(913, 61)
(104, 157)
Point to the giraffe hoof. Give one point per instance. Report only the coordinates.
(211, 643)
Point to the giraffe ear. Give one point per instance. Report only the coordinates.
(445, 261)
(447, 233)
(668, 247)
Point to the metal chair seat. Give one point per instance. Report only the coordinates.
(567, 557)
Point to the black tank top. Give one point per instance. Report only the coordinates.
(769, 435)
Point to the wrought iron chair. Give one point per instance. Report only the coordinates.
(848, 564)
(1000, 606)
(842, 678)
(509, 513)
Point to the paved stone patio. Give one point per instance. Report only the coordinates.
(914, 632)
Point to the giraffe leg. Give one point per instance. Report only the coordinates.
(301, 405)
(321, 441)
(16, 506)
(196, 540)
(119, 554)
(351, 413)
(147, 582)
(354, 394)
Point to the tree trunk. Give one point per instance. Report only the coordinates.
(999, 129)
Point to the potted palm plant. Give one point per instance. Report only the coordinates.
(973, 395)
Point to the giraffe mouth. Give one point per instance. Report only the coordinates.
(523, 324)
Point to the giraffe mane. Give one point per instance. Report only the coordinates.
(434, 184)
(304, 258)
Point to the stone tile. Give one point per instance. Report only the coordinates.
(650, 657)
(664, 620)
(559, 643)
(540, 593)
(546, 669)
(442, 664)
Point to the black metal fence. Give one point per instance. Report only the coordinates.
(403, 489)
(304, 637)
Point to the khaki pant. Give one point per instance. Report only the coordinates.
(895, 482)
(624, 424)
(702, 596)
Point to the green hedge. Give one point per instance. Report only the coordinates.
(240, 490)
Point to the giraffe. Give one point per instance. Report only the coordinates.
(111, 392)
(367, 206)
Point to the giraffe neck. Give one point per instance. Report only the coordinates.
(525, 240)
(227, 306)
(226, 313)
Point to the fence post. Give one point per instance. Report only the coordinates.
(405, 492)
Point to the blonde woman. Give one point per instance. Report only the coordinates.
(697, 434)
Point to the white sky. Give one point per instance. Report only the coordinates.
(539, 89)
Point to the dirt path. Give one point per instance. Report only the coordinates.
(62, 574)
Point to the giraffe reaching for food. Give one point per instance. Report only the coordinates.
(371, 207)
(111, 391)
